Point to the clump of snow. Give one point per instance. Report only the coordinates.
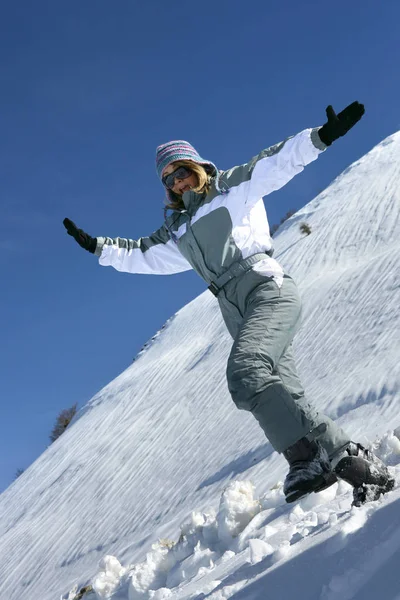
(259, 550)
(200, 526)
(387, 448)
(237, 508)
(109, 578)
(269, 531)
(152, 573)
(201, 560)
(323, 517)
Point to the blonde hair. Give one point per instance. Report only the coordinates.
(203, 185)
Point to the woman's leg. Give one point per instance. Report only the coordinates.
(256, 364)
(333, 438)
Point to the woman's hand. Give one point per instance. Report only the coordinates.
(340, 124)
(84, 239)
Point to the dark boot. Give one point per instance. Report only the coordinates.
(310, 469)
(368, 475)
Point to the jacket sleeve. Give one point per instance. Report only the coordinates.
(274, 167)
(156, 254)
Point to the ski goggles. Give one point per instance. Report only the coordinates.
(179, 173)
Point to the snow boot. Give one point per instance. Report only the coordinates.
(310, 469)
(368, 475)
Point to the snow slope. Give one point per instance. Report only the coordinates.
(160, 473)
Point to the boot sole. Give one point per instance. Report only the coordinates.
(316, 485)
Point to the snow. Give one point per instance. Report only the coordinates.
(161, 488)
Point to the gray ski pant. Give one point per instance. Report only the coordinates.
(261, 371)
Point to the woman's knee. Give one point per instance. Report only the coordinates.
(248, 374)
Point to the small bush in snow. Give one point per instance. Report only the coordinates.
(305, 228)
(18, 473)
(85, 590)
(62, 422)
(166, 543)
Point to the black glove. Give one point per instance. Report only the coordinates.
(83, 239)
(340, 124)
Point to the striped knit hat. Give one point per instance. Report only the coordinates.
(180, 150)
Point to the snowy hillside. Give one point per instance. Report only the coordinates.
(163, 473)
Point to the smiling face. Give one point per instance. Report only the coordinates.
(181, 185)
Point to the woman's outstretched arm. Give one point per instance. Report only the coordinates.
(155, 254)
(275, 166)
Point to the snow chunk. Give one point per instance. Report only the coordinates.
(200, 562)
(109, 578)
(296, 514)
(323, 517)
(200, 527)
(269, 531)
(152, 573)
(387, 448)
(237, 508)
(333, 519)
(259, 550)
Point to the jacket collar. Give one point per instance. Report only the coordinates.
(192, 199)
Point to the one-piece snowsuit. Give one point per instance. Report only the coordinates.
(261, 306)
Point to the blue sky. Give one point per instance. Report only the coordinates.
(89, 89)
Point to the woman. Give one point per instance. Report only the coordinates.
(218, 227)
